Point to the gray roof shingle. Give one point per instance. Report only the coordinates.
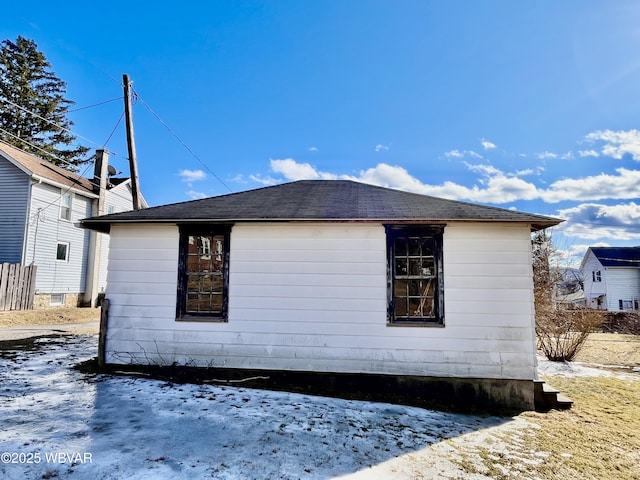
(320, 200)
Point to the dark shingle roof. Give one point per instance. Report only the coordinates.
(618, 256)
(320, 200)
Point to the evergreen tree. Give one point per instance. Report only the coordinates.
(33, 107)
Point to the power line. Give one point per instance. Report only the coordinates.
(115, 154)
(75, 181)
(114, 129)
(50, 122)
(94, 105)
(175, 135)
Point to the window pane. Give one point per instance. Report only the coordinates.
(414, 246)
(61, 251)
(65, 207)
(415, 266)
(427, 267)
(401, 307)
(415, 308)
(400, 248)
(400, 288)
(427, 247)
(204, 274)
(401, 266)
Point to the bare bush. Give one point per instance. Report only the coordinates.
(562, 333)
(622, 322)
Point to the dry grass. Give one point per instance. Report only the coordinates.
(49, 316)
(611, 349)
(599, 438)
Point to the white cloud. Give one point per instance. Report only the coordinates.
(381, 148)
(313, 149)
(496, 187)
(192, 175)
(492, 185)
(196, 195)
(487, 145)
(462, 153)
(293, 170)
(527, 171)
(597, 187)
(588, 153)
(454, 154)
(618, 144)
(592, 221)
(545, 155)
(266, 181)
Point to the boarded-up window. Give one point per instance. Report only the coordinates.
(203, 273)
(415, 275)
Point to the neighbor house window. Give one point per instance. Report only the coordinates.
(415, 283)
(626, 304)
(65, 206)
(596, 276)
(62, 252)
(57, 299)
(203, 274)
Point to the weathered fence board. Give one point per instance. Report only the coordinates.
(17, 286)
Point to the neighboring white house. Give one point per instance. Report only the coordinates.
(611, 277)
(40, 206)
(329, 276)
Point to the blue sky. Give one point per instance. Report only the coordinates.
(524, 105)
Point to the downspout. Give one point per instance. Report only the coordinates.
(95, 238)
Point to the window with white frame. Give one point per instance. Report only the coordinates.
(66, 204)
(596, 276)
(62, 251)
(56, 299)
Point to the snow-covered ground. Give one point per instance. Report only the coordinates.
(577, 369)
(59, 423)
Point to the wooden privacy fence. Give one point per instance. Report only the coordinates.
(17, 286)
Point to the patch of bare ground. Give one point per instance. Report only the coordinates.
(53, 316)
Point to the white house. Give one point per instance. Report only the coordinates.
(40, 206)
(332, 277)
(611, 277)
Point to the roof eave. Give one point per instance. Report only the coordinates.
(104, 224)
(71, 188)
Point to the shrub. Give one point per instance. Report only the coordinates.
(562, 333)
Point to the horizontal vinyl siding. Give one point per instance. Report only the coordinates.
(46, 230)
(14, 201)
(622, 284)
(142, 293)
(313, 297)
(120, 200)
(592, 290)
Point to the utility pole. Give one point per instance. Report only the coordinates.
(131, 144)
